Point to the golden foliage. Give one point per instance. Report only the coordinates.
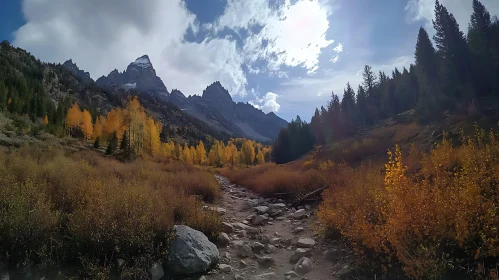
(424, 218)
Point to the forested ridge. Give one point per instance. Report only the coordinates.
(455, 73)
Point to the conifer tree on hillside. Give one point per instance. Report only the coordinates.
(427, 73)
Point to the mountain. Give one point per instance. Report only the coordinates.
(82, 75)
(139, 75)
(216, 108)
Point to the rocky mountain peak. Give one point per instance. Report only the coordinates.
(73, 68)
(139, 75)
(217, 92)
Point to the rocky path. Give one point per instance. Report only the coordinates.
(267, 239)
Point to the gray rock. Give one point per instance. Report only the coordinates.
(156, 271)
(275, 240)
(271, 248)
(240, 226)
(308, 207)
(202, 278)
(299, 253)
(241, 233)
(223, 239)
(298, 230)
(291, 274)
(227, 227)
(242, 264)
(257, 246)
(332, 254)
(261, 209)
(265, 276)
(191, 252)
(305, 243)
(243, 250)
(260, 219)
(5, 276)
(265, 238)
(265, 261)
(278, 206)
(304, 265)
(225, 268)
(253, 231)
(300, 214)
(238, 277)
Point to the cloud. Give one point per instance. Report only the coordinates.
(423, 10)
(268, 103)
(338, 48)
(275, 40)
(103, 35)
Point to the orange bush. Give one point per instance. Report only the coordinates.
(92, 210)
(438, 216)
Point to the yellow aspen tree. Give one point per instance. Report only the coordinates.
(86, 124)
(152, 140)
(260, 157)
(212, 155)
(187, 155)
(194, 155)
(247, 152)
(179, 152)
(112, 124)
(220, 154)
(201, 152)
(235, 155)
(228, 156)
(73, 117)
(98, 128)
(46, 120)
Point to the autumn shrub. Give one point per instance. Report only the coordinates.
(438, 216)
(90, 210)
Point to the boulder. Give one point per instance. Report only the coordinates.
(305, 243)
(298, 254)
(257, 246)
(191, 252)
(304, 265)
(300, 214)
(156, 271)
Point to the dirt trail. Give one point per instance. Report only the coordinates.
(265, 234)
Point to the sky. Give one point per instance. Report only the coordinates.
(285, 56)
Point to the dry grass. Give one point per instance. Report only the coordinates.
(89, 210)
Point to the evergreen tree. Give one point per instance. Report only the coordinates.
(429, 93)
(113, 144)
(97, 143)
(124, 145)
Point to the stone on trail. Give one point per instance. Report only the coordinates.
(257, 246)
(261, 209)
(265, 276)
(225, 268)
(298, 230)
(305, 243)
(260, 220)
(253, 231)
(304, 265)
(291, 274)
(243, 250)
(240, 226)
(191, 252)
(300, 214)
(223, 239)
(238, 277)
(265, 261)
(298, 254)
(278, 206)
(156, 271)
(227, 227)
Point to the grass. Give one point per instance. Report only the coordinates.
(80, 208)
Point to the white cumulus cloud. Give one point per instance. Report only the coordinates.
(277, 42)
(103, 35)
(268, 103)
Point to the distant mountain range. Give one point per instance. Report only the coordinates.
(214, 107)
